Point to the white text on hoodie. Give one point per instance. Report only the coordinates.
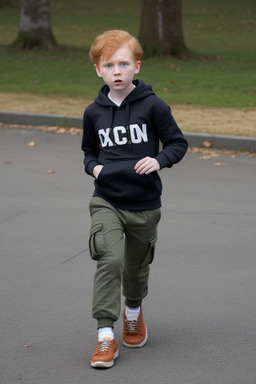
(137, 135)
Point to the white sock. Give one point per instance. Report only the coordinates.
(132, 313)
(105, 333)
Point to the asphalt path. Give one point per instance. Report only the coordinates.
(201, 307)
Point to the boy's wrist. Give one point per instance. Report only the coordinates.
(90, 167)
(96, 170)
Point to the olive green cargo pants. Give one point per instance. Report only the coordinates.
(123, 243)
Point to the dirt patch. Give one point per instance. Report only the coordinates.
(224, 121)
(40, 104)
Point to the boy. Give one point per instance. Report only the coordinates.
(121, 132)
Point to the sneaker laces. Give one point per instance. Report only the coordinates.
(104, 345)
(131, 325)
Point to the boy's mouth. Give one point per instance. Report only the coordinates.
(118, 81)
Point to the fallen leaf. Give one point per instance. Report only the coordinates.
(215, 155)
(31, 144)
(219, 164)
(205, 157)
(74, 131)
(7, 162)
(50, 171)
(207, 144)
(28, 346)
(61, 130)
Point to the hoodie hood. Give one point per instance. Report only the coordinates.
(140, 91)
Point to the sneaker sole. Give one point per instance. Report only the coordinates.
(137, 345)
(104, 364)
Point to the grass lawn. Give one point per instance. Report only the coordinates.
(223, 30)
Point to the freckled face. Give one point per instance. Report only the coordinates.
(118, 71)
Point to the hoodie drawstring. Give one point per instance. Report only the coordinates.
(127, 109)
(111, 124)
(127, 112)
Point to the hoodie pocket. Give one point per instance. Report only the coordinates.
(96, 242)
(118, 180)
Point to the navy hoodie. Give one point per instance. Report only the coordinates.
(117, 137)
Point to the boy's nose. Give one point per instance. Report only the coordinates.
(116, 70)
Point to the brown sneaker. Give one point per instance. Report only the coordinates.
(135, 333)
(105, 354)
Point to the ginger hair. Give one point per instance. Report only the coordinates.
(105, 45)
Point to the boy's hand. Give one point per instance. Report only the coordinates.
(147, 165)
(96, 170)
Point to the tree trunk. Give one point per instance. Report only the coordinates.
(35, 25)
(161, 29)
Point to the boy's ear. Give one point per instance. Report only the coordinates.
(137, 66)
(97, 70)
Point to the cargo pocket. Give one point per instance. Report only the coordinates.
(96, 242)
(148, 259)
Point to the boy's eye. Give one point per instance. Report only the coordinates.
(108, 66)
(124, 64)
